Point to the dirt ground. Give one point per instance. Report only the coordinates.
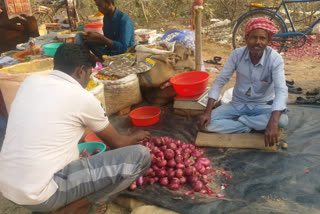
(305, 72)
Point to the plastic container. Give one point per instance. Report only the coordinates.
(190, 83)
(92, 137)
(91, 146)
(145, 116)
(93, 28)
(51, 48)
(96, 19)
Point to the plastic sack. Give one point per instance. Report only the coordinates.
(185, 37)
(227, 96)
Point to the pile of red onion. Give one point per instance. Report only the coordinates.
(310, 49)
(176, 165)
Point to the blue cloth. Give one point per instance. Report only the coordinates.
(248, 119)
(119, 29)
(255, 84)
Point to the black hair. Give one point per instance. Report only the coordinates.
(70, 56)
(109, 1)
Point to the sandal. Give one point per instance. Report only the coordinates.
(294, 90)
(290, 82)
(313, 92)
(301, 100)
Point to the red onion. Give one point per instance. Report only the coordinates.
(180, 166)
(163, 148)
(197, 186)
(155, 167)
(196, 153)
(174, 186)
(169, 154)
(161, 173)
(133, 186)
(204, 161)
(162, 163)
(185, 145)
(178, 142)
(189, 171)
(186, 150)
(148, 172)
(156, 179)
(164, 181)
(172, 146)
(193, 179)
(160, 155)
(200, 168)
(175, 180)
(171, 163)
(183, 180)
(179, 158)
(155, 150)
(152, 180)
(157, 141)
(153, 158)
(204, 179)
(191, 146)
(171, 174)
(179, 173)
(140, 181)
(146, 180)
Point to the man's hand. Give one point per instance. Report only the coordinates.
(203, 120)
(141, 135)
(93, 37)
(205, 117)
(271, 134)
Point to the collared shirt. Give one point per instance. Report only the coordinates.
(255, 84)
(47, 119)
(119, 29)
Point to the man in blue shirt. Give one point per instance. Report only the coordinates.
(118, 32)
(260, 80)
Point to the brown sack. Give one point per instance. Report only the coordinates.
(168, 65)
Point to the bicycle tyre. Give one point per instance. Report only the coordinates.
(238, 33)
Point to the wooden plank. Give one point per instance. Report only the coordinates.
(243, 141)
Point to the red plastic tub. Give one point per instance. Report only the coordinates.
(190, 83)
(145, 116)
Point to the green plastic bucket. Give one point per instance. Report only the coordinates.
(91, 146)
(51, 48)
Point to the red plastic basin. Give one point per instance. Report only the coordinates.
(145, 116)
(190, 83)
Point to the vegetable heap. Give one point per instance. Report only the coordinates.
(176, 165)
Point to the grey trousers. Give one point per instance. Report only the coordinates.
(97, 178)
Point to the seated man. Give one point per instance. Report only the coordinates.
(260, 80)
(15, 31)
(118, 32)
(39, 160)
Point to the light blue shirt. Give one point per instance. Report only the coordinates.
(255, 84)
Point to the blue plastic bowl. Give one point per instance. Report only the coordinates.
(51, 48)
(91, 146)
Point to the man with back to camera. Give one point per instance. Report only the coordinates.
(39, 160)
(118, 32)
(260, 80)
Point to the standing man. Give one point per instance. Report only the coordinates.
(39, 160)
(260, 93)
(118, 32)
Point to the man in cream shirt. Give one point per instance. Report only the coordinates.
(39, 161)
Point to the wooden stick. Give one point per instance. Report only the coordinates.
(198, 13)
